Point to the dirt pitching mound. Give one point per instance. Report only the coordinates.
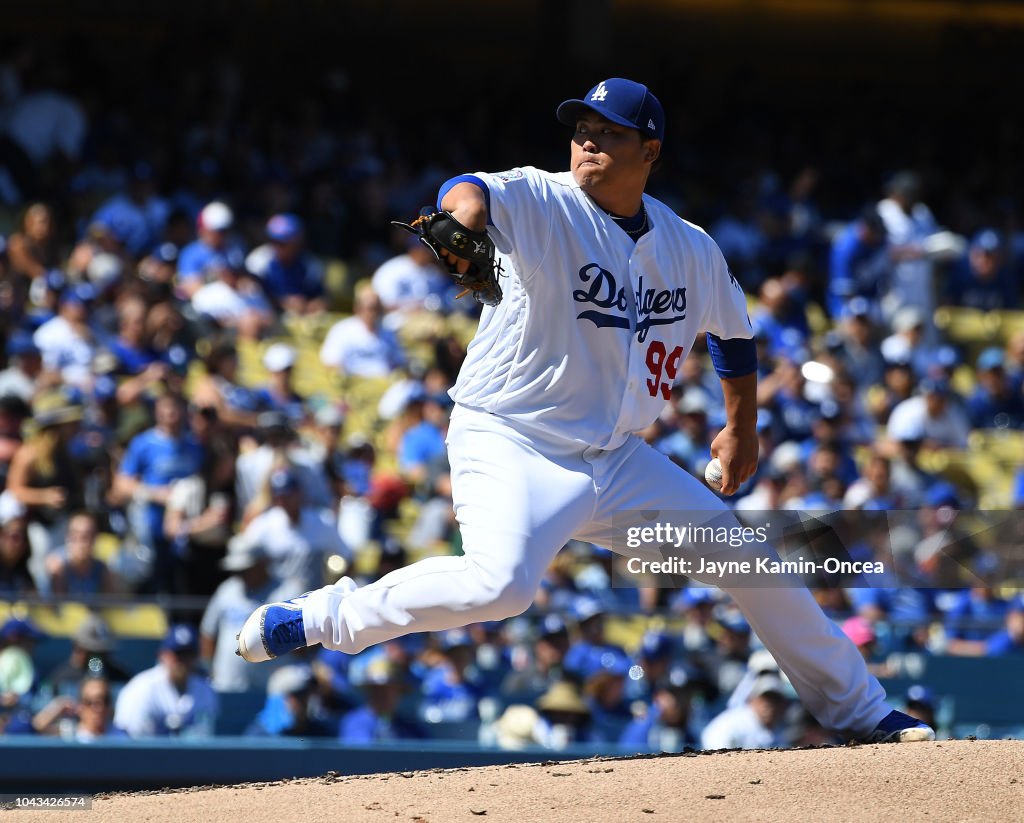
(951, 780)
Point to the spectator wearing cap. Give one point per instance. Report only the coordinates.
(18, 674)
(291, 276)
(451, 687)
(756, 724)
(213, 226)
(278, 394)
(994, 403)
(231, 299)
(666, 722)
(248, 586)
(650, 664)
(420, 444)
(92, 647)
(152, 462)
(532, 675)
(24, 366)
(604, 688)
(382, 684)
(919, 702)
(862, 635)
(139, 214)
(67, 342)
(172, 698)
(589, 615)
(687, 443)
(298, 537)
(933, 416)
(325, 449)
(908, 341)
(565, 716)
(732, 636)
(908, 224)
(44, 475)
(279, 447)
(982, 279)
(157, 269)
(697, 604)
(74, 568)
(897, 385)
(859, 267)
(359, 345)
(410, 282)
(291, 710)
(855, 344)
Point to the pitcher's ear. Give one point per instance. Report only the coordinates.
(652, 150)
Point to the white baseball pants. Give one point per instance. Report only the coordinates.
(519, 496)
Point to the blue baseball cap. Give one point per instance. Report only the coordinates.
(991, 358)
(282, 228)
(19, 628)
(551, 625)
(942, 494)
(987, 240)
(606, 659)
(166, 253)
(585, 607)
(283, 481)
(656, 645)
(455, 639)
(21, 343)
(622, 101)
(181, 638)
(83, 293)
(921, 695)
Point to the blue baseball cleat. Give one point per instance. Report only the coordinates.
(897, 727)
(272, 630)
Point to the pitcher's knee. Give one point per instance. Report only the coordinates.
(500, 598)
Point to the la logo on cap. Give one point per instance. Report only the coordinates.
(600, 93)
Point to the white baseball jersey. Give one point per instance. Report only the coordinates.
(593, 328)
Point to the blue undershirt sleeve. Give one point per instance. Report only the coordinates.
(732, 358)
(448, 185)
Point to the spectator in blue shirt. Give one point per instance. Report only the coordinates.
(859, 265)
(377, 720)
(451, 688)
(290, 274)
(1008, 640)
(153, 461)
(211, 247)
(982, 280)
(972, 612)
(994, 403)
(664, 725)
(278, 394)
(422, 443)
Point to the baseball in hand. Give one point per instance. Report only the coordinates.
(713, 474)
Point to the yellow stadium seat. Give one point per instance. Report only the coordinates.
(137, 620)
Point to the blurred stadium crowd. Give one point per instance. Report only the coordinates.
(225, 380)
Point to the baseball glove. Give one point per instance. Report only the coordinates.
(439, 230)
